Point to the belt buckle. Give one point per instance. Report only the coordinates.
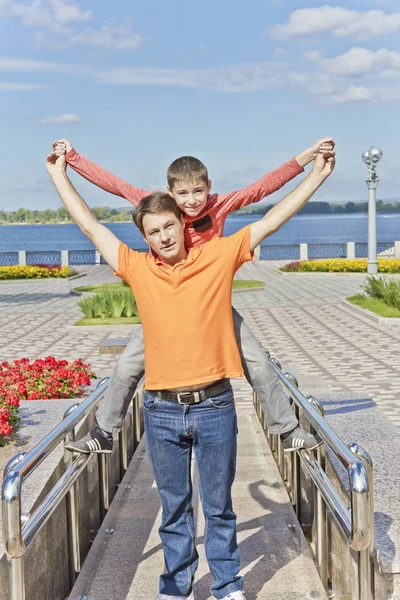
(191, 398)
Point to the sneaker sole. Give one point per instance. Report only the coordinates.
(78, 451)
(294, 449)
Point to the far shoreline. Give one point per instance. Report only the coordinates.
(230, 216)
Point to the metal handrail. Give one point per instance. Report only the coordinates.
(356, 522)
(19, 531)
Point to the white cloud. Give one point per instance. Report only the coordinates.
(358, 62)
(264, 76)
(353, 93)
(20, 87)
(27, 65)
(45, 14)
(66, 12)
(339, 22)
(57, 23)
(116, 38)
(281, 52)
(61, 119)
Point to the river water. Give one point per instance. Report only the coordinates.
(311, 229)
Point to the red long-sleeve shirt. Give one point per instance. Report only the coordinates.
(210, 222)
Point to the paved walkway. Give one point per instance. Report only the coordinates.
(299, 317)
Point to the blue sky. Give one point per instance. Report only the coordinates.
(242, 86)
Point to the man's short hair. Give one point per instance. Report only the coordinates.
(186, 168)
(153, 204)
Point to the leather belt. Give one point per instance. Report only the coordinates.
(194, 397)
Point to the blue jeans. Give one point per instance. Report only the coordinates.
(173, 431)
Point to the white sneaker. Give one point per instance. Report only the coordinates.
(235, 596)
(165, 597)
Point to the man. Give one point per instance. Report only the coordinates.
(205, 213)
(184, 299)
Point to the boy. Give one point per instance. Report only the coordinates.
(190, 355)
(205, 216)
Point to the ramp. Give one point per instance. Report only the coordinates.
(126, 558)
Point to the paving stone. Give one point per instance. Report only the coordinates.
(298, 316)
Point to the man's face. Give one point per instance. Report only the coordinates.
(191, 197)
(164, 234)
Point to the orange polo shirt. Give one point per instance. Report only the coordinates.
(186, 311)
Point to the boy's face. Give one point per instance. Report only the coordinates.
(164, 232)
(191, 196)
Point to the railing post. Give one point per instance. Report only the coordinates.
(12, 528)
(351, 250)
(22, 258)
(72, 509)
(123, 447)
(365, 562)
(320, 509)
(296, 473)
(303, 251)
(64, 258)
(104, 485)
(138, 429)
(397, 249)
(257, 253)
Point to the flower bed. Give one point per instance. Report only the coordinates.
(42, 379)
(342, 265)
(35, 272)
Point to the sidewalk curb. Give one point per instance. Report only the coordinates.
(371, 315)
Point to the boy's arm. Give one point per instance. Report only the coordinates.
(99, 176)
(289, 206)
(274, 180)
(104, 240)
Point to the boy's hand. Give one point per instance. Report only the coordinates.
(62, 147)
(55, 164)
(325, 147)
(323, 166)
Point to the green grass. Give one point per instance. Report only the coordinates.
(110, 321)
(238, 284)
(103, 287)
(375, 305)
(241, 284)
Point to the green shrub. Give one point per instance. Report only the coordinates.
(387, 290)
(109, 305)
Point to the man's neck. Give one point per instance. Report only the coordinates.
(176, 259)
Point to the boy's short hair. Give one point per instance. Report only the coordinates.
(186, 168)
(153, 204)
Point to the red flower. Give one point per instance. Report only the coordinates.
(42, 379)
(4, 414)
(5, 429)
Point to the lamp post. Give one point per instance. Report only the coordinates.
(371, 158)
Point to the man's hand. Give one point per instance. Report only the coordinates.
(62, 147)
(324, 147)
(323, 166)
(289, 206)
(55, 164)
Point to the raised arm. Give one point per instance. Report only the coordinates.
(291, 204)
(273, 180)
(104, 240)
(99, 176)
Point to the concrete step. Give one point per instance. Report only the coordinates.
(126, 558)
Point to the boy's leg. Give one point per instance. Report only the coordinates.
(125, 377)
(169, 445)
(215, 432)
(262, 377)
(113, 406)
